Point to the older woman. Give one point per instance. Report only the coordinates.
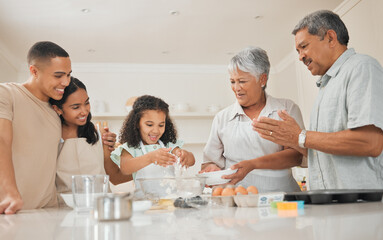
(234, 144)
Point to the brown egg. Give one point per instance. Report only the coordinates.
(252, 190)
(217, 191)
(240, 190)
(228, 192)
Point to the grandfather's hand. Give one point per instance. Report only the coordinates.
(285, 132)
(109, 138)
(244, 167)
(10, 202)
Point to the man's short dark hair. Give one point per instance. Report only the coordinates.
(319, 22)
(43, 51)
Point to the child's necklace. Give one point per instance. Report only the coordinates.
(143, 149)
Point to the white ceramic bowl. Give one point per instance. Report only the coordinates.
(141, 206)
(181, 107)
(68, 199)
(215, 178)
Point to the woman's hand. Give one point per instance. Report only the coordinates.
(186, 158)
(162, 157)
(243, 167)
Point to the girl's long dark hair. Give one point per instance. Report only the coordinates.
(130, 132)
(88, 130)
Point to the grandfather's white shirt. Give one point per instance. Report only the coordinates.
(233, 140)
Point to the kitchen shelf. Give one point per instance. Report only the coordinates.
(185, 115)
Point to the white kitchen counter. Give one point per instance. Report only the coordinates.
(361, 221)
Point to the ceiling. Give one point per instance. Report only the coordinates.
(153, 31)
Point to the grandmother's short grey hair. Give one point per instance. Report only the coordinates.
(319, 22)
(253, 60)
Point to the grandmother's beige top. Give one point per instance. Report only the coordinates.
(36, 136)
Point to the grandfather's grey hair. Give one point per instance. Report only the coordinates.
(319, 22)
(253, 60)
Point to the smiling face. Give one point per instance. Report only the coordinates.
(51, 78)
(152, 126)
(247, 88)
(76, 109)
(315, 53)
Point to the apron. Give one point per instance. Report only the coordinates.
(151, 171)
(252, 146)
(78, 157)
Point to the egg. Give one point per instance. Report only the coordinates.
(252, 190)
(240, 190)
(217, 191)
(228, 192)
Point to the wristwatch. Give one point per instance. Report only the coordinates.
(302, 139)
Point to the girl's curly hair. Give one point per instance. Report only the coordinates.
(130, 132)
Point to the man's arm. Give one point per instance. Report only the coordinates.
(10, 199)
(362, 141)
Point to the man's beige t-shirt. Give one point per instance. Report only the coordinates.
(36, 136)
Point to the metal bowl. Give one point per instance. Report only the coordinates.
(172, 188)
(113, 207)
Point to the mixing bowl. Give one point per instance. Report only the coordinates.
(172, 188)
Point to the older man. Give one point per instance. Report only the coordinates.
(345, 140)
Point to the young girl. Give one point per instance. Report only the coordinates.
(82, 151)
(150, 146)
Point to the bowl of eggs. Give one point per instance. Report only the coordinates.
(226, 195)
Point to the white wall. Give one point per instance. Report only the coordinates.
(7, 72)
(365, 25)
(199, 86)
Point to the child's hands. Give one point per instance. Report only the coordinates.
(186, 158)
(162, 157)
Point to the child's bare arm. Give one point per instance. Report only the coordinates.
(114, 172)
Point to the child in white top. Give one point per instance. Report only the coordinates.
(150, 146)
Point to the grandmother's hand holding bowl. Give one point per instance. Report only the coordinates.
(244, 167)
